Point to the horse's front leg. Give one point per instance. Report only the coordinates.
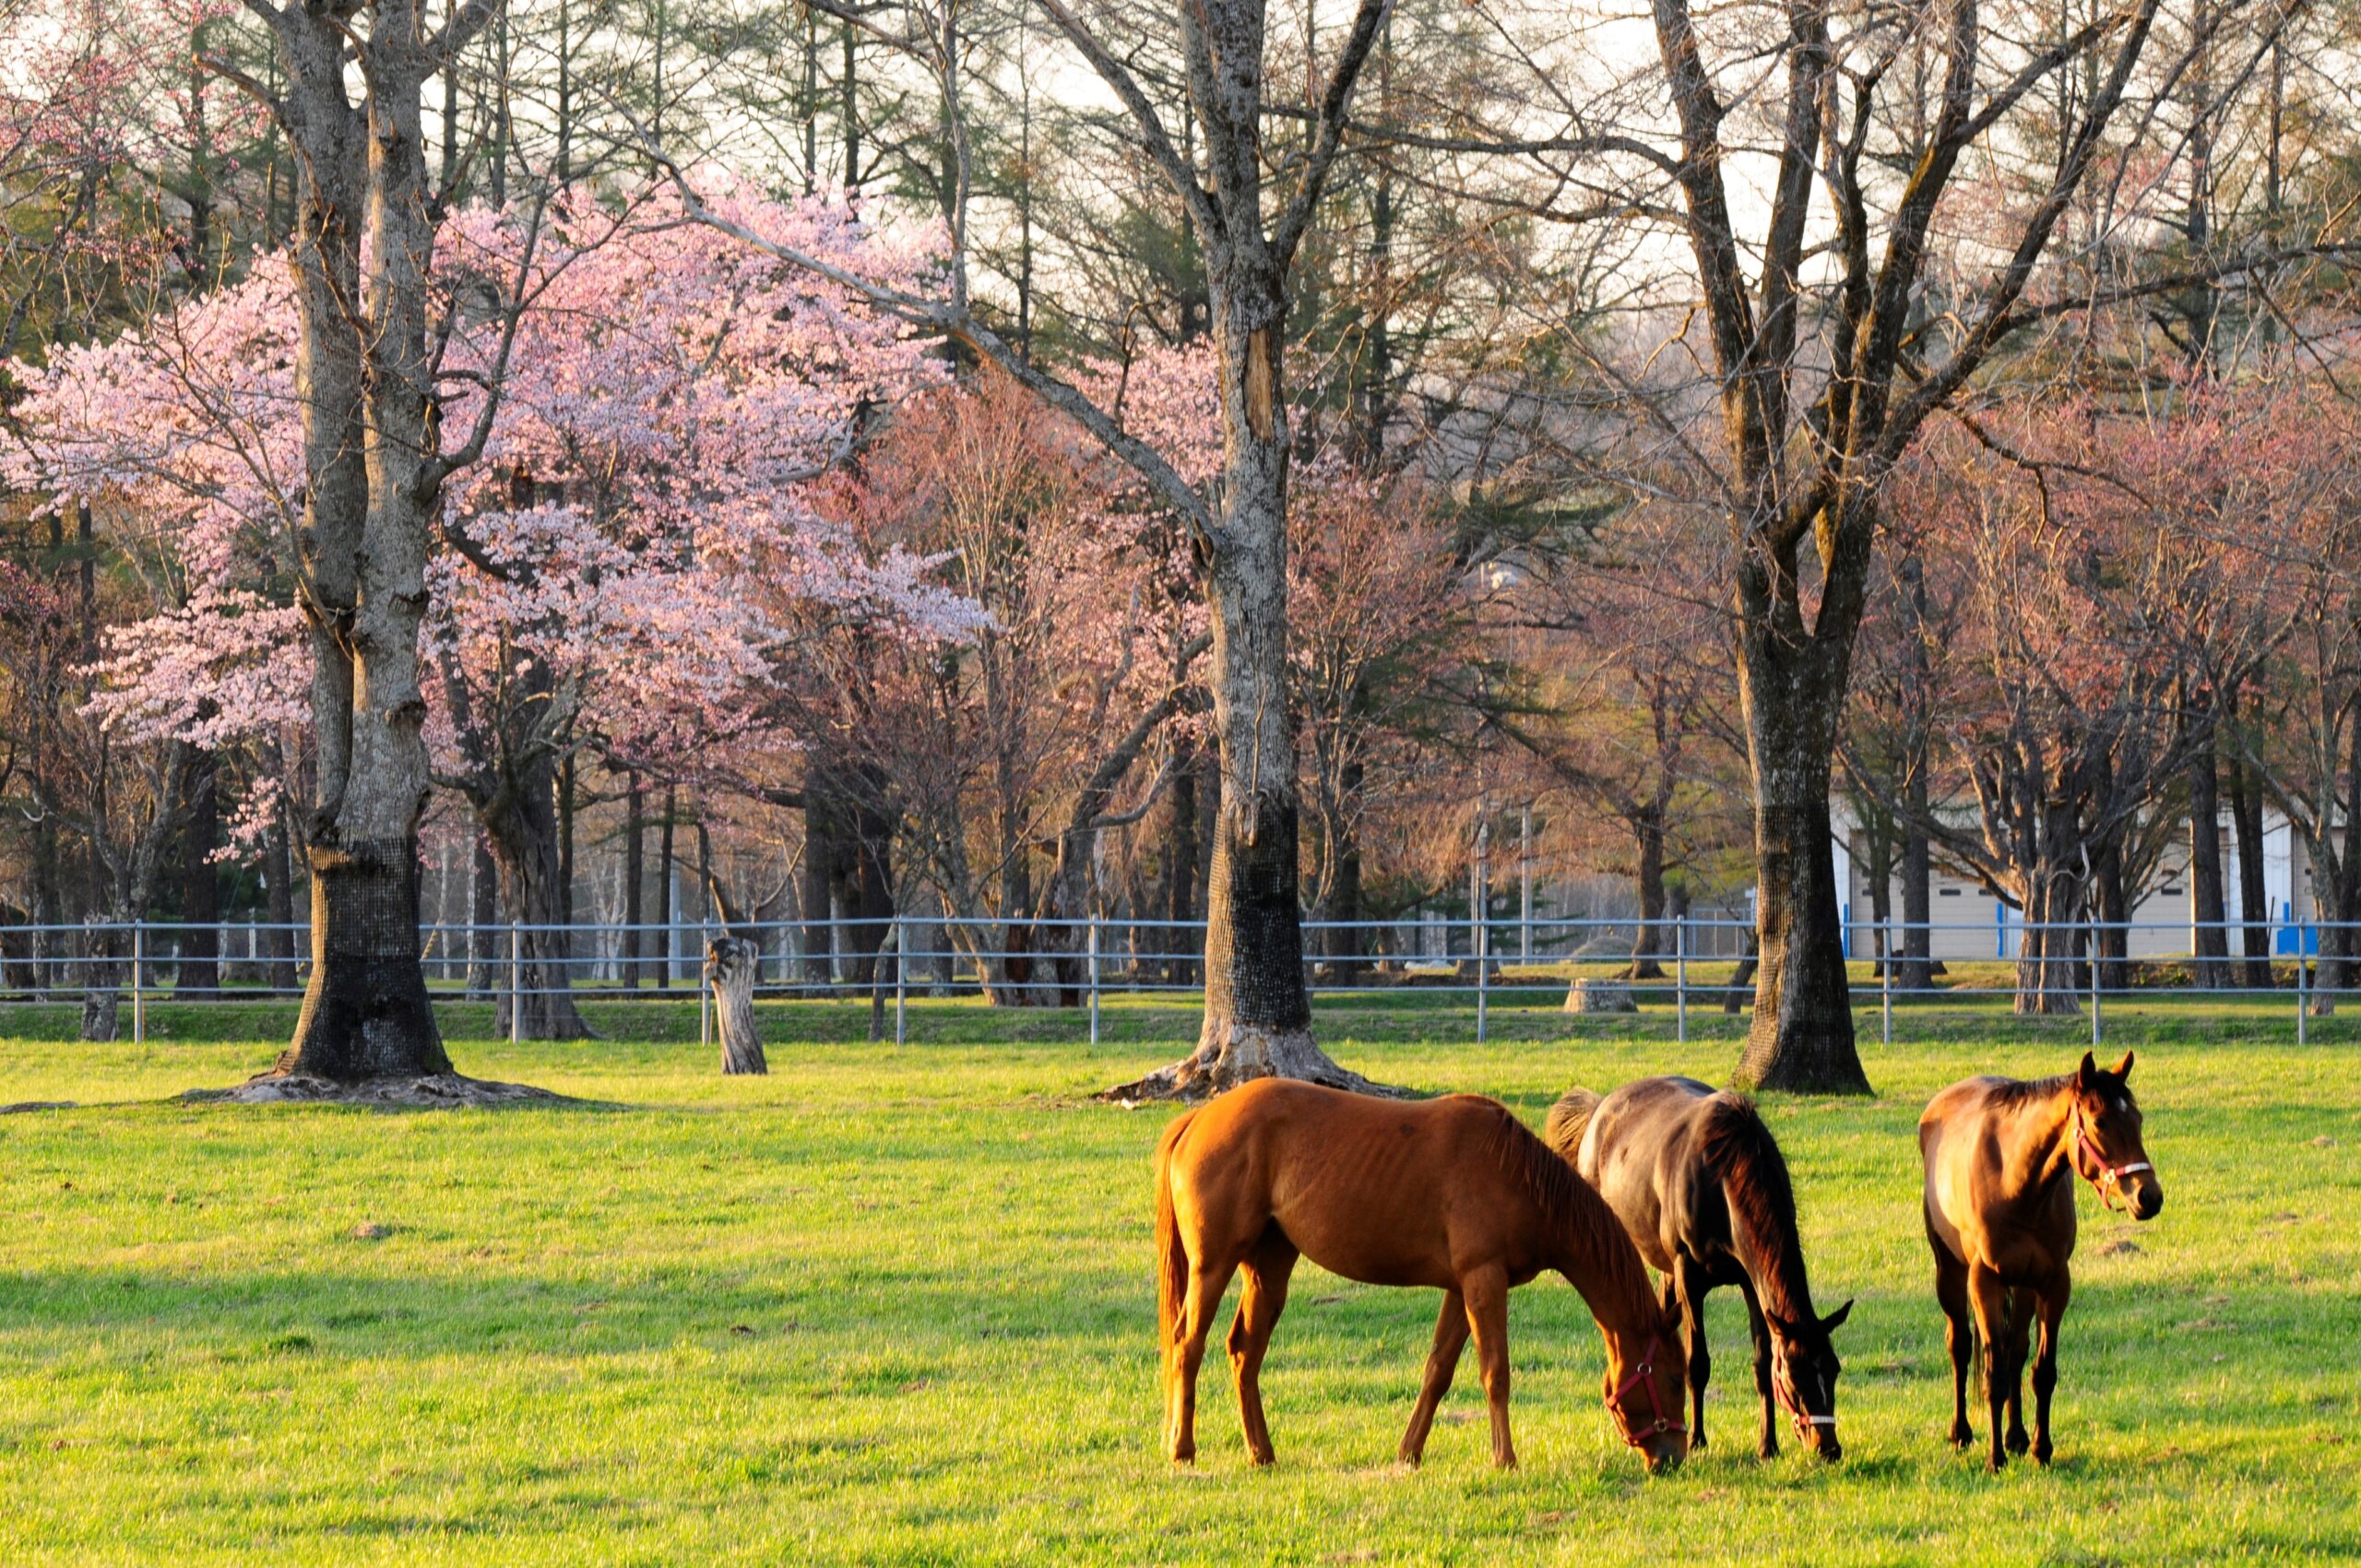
(2051, 1299)
(1989, 1299)
(1451, 1338)
(2020, 1338)
(1691, 1284)
(1764, 1369)
(1487, 1292)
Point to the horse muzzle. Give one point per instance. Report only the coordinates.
(2147, 1200)
(1663, 1452)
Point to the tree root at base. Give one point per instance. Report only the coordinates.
(434, 1091)
(1239, 1054)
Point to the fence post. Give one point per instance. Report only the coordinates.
(516, 982)
(139, 998)
(901, 981)
(1092, 964)
(1681, 976)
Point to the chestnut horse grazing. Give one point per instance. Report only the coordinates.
(1454, 1194)
(2002, 1158)
(1697, 1179)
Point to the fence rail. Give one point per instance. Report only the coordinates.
(1514, 961)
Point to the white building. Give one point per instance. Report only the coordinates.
(1970, 923)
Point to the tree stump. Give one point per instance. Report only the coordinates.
(731, 964)
(1600, 996)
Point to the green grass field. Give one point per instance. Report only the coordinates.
(894, 1305)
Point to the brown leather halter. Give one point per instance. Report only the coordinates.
(1644, 1375)
(2108, 1179)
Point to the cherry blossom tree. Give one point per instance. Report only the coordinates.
(667, 395)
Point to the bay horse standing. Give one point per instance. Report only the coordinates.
(2001, 1156)
(1699, 1181)
(1454, 1194)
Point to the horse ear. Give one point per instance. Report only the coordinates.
(2123, 1068)
(1835, 1320)
(2089, 1073)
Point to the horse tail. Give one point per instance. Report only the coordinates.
(1171, 1254)
(1569, 1119)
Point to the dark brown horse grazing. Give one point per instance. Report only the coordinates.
(1696, 1178)
(2002, 1158)
(1455, 1194)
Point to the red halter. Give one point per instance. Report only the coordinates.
(1805, 1420)
(1645, 1375)
(2109, 1183)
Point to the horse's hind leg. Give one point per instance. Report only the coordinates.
(1486, 1290)
(2020, 1303)
(1691, 1284)
(2052, 1298)
(1207, 1280)
(1264, 1297)
(1451, 1338)
(1959, 1335)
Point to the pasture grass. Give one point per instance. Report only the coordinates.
(894, 1305)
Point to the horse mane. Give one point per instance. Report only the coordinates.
(2023, 1091)
(1739, 1151)
(1578, 1213)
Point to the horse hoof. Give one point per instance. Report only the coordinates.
(2041, 1452)
(2019, 1443)
(1999, 1463)
(1961, 1436)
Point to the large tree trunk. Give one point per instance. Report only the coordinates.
(819, 885)
(199, 973)
(668, 872)
(1649, 944)
(1257, 1017)
(635, 880)
(1801, 1039)
(2113, 902)
(2208, 936)
(521, 825)
(1183, 871)
(871, 885)
(484, 918)
(2050, 944)
(278, 893)
(2254, 901)
(1347, 940)
(367, 506)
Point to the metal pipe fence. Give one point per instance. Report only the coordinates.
(1676, 963)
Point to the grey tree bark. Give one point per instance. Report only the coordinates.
(1804, 455)
(374, 471)
(731, 965)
